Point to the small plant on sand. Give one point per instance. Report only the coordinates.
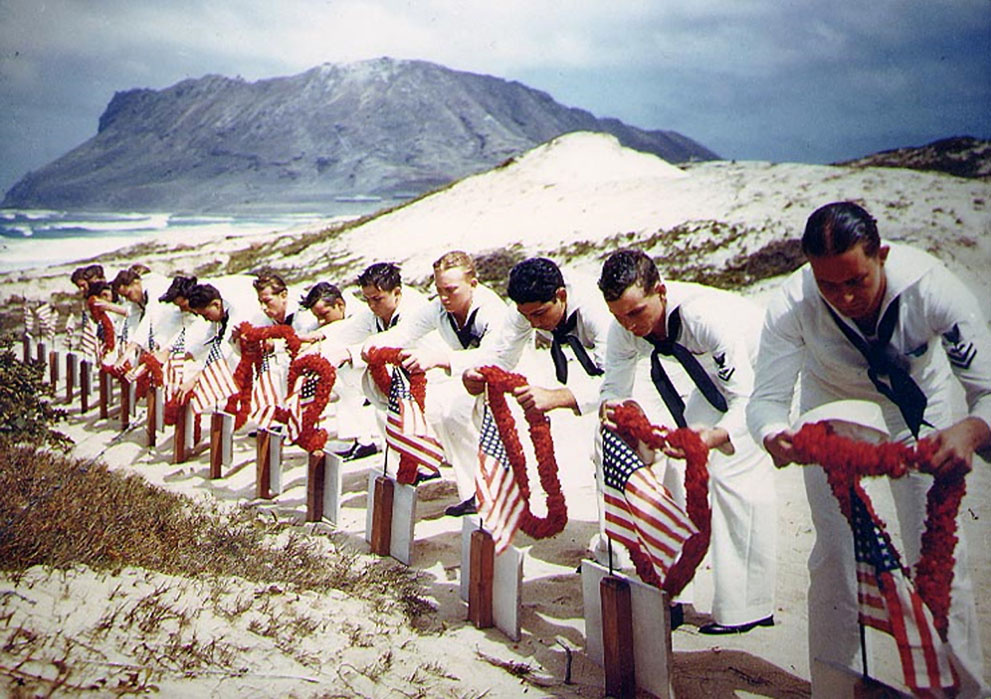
(26, 415)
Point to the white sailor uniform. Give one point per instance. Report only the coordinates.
(938, 319)
(720, 331)
(449, 408)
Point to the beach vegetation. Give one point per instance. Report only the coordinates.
(27, 416)
(61, 512)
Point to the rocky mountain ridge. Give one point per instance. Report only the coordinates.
(962, 156)
(383, 127)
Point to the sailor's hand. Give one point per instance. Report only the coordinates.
(956, 446)
(780, 447)
(473, 381)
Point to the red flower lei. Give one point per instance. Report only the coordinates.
(378, 357)
(846, 461)
(99, 314)
(498, 384)
(252, 341)
(152, 376)
(310, 437)
(631, 422)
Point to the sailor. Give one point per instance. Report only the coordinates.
(707, 338)
(568, 317)
(889, 324)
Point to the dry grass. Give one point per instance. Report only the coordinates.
(59, 512)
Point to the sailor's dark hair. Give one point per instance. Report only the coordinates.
(535, 279)
(384, 276)
(623, 269)
(324, 291)
(201, 295)
(835, 228)
(180, 286)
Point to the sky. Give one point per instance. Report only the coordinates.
(811, 81)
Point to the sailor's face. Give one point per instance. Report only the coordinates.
(382, 303)
(640, 312)
(213, 311)
(852, 281)
(133, 292)
(455, 289)
(545, 315)
(183, 303)
(273, 303)
(327, 312)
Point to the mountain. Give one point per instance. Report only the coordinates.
(963, 156)
(383, 127)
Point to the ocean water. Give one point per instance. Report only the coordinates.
(38, 237)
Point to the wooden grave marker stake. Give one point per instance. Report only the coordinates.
(383, 492)
(507, 580)
(641, 649)
(53, 370)
(481, 579)
(268, 460)
(42, 349)
(221, 442)
(70, 376)
(617, 638)
(180, 439)
(84, 388)
(104, 380)
(26, 347)
(154, 414)
(125, 403)
(316, 481)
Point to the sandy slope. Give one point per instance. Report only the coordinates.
(578, 188)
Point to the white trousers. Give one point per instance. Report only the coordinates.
(743, 544)
(833, 631)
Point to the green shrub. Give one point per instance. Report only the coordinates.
(26, 415)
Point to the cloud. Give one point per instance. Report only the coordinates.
(749, 78)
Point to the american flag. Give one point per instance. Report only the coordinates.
(303, 392)
(173, 374)
(888, 602)
(28, 322)
(89, 343)
(265, 394)
(46, 320)
(406, 428)
(70, 332)
(215, 383)
(500, 504)
(640, 513)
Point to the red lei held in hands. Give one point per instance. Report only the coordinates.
(846, 461)
(632, 423)
(378, 357)
(252, 341)
(499, 383)
(99, 314)
(311, 438)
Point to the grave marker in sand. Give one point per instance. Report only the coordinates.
(324, 483)
(26, 347)
(84, 384)
(390, 517)
(104, 382)
(221, 442)
(182, 442)
(627, 625)
(156, 408)
(127, 399)
(53, 370)
(71, 366)
(500, 603)
(268, 460)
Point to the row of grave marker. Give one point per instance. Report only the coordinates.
(632, 655)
